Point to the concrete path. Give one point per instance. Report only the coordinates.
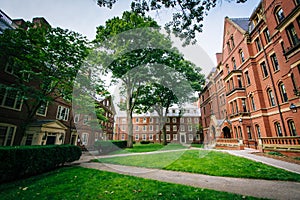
(248, 187)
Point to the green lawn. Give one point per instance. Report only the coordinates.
(138, 148)
(81, 183)
(206, 162)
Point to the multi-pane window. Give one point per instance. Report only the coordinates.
(168, 137)
(137, 128)
(182, 128)
(150, 137)
(247, 78)
(294, 40)
(283, 93)
(151, 120)
(85, 138)
(189, 120)
(252, 103)
(267, 35)
(136, 136)
(271, 98)
(239, 78)
(7, 133)
(174, 136)
(278, 129)
(249, 132)
(191, 137)
(150, 128)
(196, 120)
(123, 127)
(264, 69)
(86, 119)
(144, 137)
(76, 118)
(279, 15)
(174, 120)
(190, 128)
(258, 44)
(242, 56)
(182, 120)
(144, 128)
(233, 64)
(275, 62)
(244, 105)
(10, 99)
(62, 113)
(167, 128)
(168, 120)
(42, 110)
(174, 128)
(292, 128)
(258, 131)
(29, 138)
(137, 119)
(144, 120)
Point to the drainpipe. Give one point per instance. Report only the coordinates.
(273, 84)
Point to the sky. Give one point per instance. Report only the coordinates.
(84, 16)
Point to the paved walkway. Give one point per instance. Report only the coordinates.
(248, 187)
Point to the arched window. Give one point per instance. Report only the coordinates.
(247, 78)
(271, 97)
(292, 128)
(233, 64)
(242, 56)
(240, 132)
(252, 103)
(279, 15)
(258, 131)
(278, 129)
(232, 41)
(283, 93)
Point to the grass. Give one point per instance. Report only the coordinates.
(206, 162)
(85, 184)
(197, 145)
(140, 148)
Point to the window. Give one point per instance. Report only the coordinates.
(157, 136)
(258, 45)
(242, 56)
(264, 69)
(247, 78)
(244, 105)
(249, 132)
(123, 121)
(271, 97)
(144, 137)
(190, 128)
(85, 119)
(294, 40)
(174, 128)
(76, 118)
(297, 2)
(239, 78)
(267, 35)
(233, 64)
(85, 138)
(29, 138)
(144, 128)
(196, 120)
(123, 127)
(137, 128)
(283, 93)
(292, 128)
(198, 137)
(181, 120)
(123, 137)
(157, 128)
(136, 136)
(275, 62)
(167, 128)
(227, 68)
(42, 110)
(150, 128)
(240, 131)
(174, 136)
(62, 113)
(10, 99)
(252, 103)
(182, 128)
(151, 120)
(189, 120)
(137, 120)
(258, 131)
(168, 120)
(191, 137)
(278, 129)
(150, 137)
(232, 41)
(7, 133)
(168, 137)
(174, 120)
(279, 14)
(144, 120)
(228, 47)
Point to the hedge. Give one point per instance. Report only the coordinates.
(109, 146)
(145, 142)
(23, 161)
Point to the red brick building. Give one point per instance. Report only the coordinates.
(181, 127)
(261, 66)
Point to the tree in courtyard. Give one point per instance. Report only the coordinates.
(44, 62)
(128, 48)
(188, 15)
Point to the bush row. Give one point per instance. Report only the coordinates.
(110, 145)
(23, 161)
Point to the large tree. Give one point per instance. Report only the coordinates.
(44, 62)
(131, 50)
(188, 15)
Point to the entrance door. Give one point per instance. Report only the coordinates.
(50, 140)
(182, 138)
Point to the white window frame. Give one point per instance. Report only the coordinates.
(167, 127)
(157, 136)
(16, 101)
(144, 120)
(61, 116)
(144, 137)
(137, 136)
(191, 137)
(190, 128)
(122, 136)
(168, 137)
(174, 136)
(46, 109)
(174, 120)
(76, 118)
(11, 130)
(136, 128)
(168, 119)
(174, 128)
(85, 138)
(182, 128)
(151, 137)
(150, 127)
(144, 128)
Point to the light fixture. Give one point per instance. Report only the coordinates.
(293, 107)
(240, 120)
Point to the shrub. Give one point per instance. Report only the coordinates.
(23, 161)
(145, 142)
(275, 153)
(110, 145)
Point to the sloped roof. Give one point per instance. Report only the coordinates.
(242, 22)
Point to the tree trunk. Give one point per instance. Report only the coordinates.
(165, 135)
(129, 119)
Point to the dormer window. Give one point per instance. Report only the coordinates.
(279, 15)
